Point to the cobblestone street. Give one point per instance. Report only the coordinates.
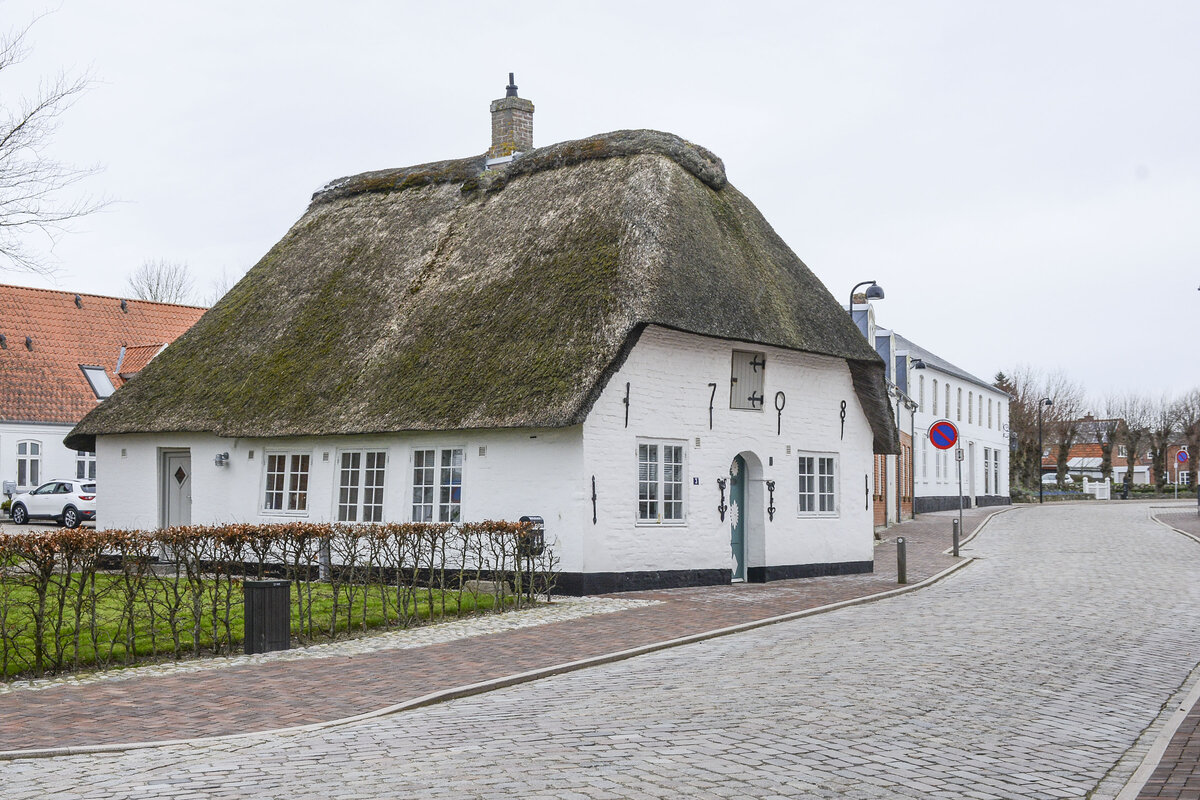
(1039, 671)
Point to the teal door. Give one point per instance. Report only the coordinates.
(737, 514)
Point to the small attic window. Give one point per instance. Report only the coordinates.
(746, 380)
(99, 381)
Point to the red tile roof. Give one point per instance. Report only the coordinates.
(43, 382)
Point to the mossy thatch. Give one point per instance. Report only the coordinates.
(446, 297)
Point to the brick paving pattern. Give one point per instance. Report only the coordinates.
(1038, 672)
(1177, 776)
(283, 694)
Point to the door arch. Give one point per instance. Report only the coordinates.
(747, 544)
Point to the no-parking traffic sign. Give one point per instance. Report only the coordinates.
(1182, 456)
(943, 435)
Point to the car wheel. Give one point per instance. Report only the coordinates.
(19, 515)
(70, 517)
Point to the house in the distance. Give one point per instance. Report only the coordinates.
(604, 333)
(61, 354)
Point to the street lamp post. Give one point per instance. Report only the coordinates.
(875, 292)
(1045, 401)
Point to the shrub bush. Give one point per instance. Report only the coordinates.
(81, 597)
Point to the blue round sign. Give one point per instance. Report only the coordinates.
(943, 435)
(1182, 456)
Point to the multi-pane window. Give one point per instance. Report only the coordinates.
(924, 459)
(996, 471)
(818, 484)
(437, 484)
(958, 407)
(85, 465)
(948, 400)
(989, 412)
(287, 482)
(29, 463)
(360, 486)
(921, 395)
(970, 407)
(935, 396)
(660, 482)
(987, 470)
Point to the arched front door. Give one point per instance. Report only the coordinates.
(737, 516)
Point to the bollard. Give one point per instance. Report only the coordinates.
(956, 538)
(901, 561)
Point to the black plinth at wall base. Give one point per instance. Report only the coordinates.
(581, 583)
(783, 572)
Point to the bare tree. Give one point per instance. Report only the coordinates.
(31, 185)
(1162, 428)
(162, 281)
(1136, 421)
(1027, 388)
(1105, 431)
(1067, 396)
(219, 286)
(1187, 412)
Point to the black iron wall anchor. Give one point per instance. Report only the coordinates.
(711, 399)
(627, 404)
(756, 400)
(780, 402)
(721, 509)
(593, 499)
(771, 500)
(843, 416)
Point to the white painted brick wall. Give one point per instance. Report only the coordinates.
(669, 373)
(548, 472)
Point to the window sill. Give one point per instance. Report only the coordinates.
(645, 523)
(270, 512)
(818, 515)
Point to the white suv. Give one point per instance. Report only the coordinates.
(67, 502)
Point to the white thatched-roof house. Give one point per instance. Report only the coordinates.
(599, 332)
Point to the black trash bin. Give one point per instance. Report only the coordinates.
(268, 616)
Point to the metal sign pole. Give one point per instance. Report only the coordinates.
(958, 456)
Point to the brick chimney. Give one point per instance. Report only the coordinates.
(512, 124)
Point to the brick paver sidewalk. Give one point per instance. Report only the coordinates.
(266, 696)
(1177, 776)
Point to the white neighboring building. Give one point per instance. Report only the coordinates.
(603, 333)
(978, 409)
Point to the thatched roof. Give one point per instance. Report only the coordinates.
(446, 297)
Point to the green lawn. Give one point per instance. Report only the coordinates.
(164, 622)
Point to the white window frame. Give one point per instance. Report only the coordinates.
(85, 460)
(921, 399)
(987, 471)
(661, 484)
(817, 491)
(360, 506)
(935, 397)
(958, 407)
(439, 511)
(97, 377)
(297, 484)
(29, 458)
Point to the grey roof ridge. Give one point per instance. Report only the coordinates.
(939, 363)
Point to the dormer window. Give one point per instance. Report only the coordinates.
(746, 381)
(98, 379)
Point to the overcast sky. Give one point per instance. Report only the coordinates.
(1023, 179)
